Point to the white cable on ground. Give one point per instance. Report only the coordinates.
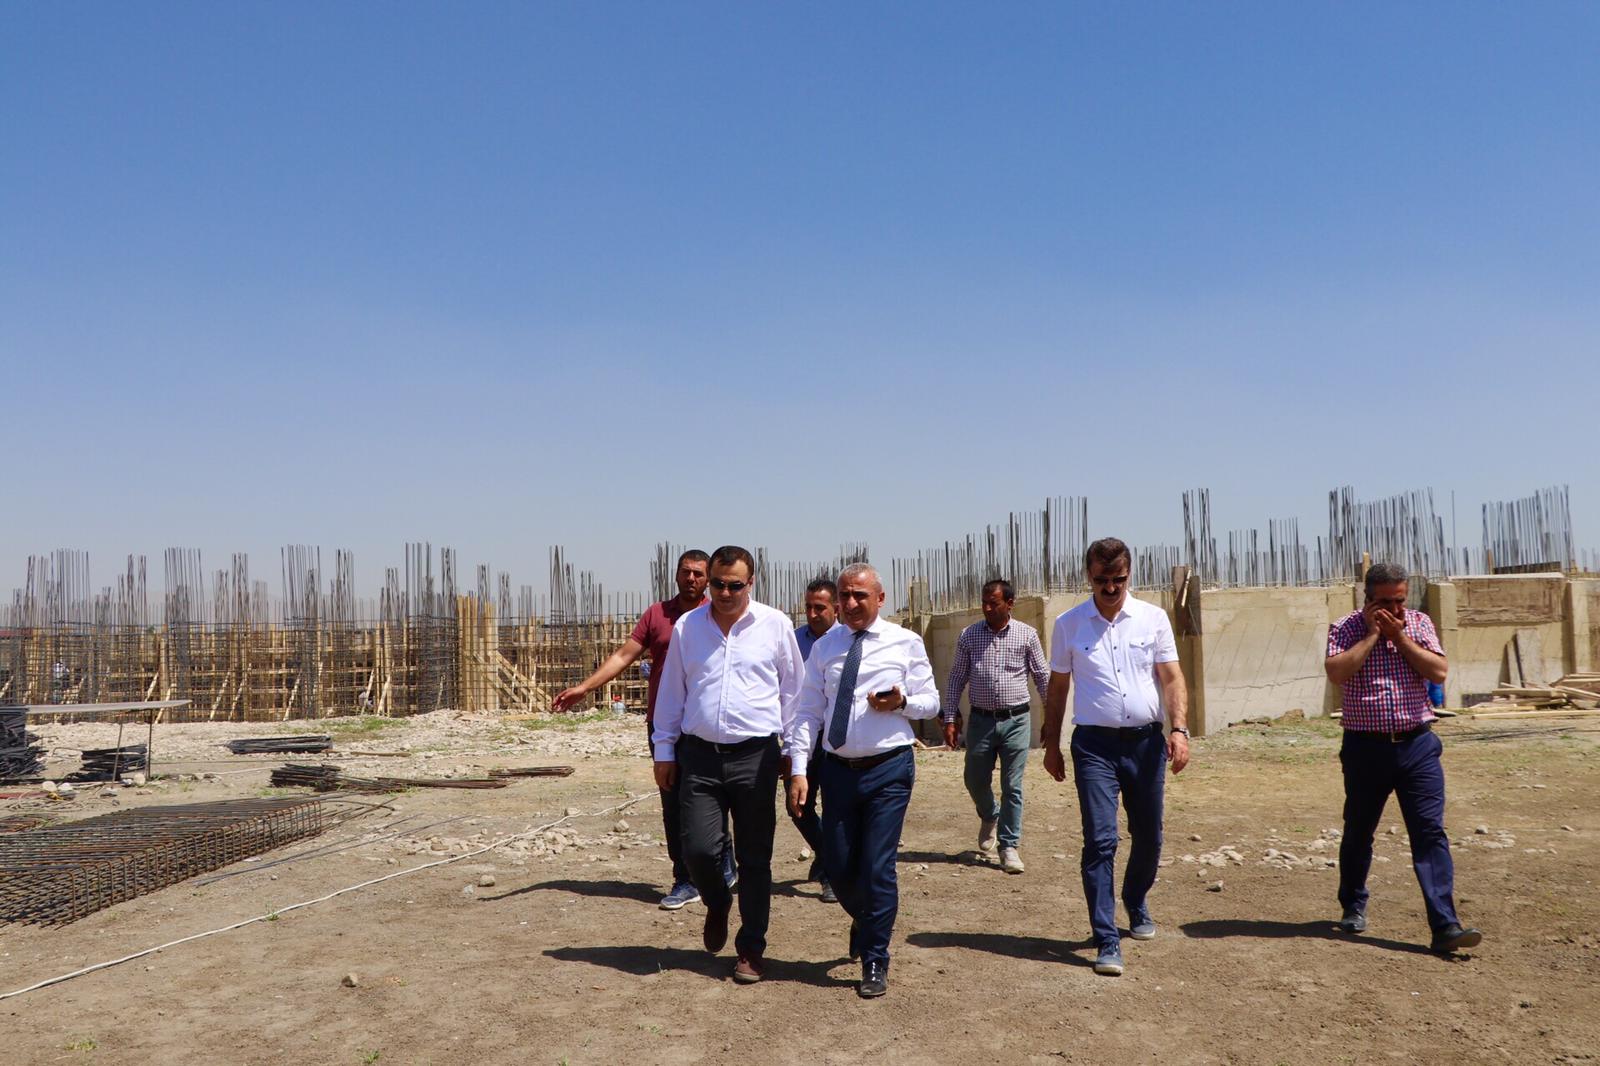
(272, 914)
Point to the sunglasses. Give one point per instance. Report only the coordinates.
(728, 586)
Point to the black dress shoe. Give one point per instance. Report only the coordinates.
(1454, 938)
(1354, 920)
(715, 934)
(855, 940)
(874, 979)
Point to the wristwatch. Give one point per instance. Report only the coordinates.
(1180, 729)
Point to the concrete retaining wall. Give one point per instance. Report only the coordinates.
(1260, 651)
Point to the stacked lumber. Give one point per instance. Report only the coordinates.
(1572, 694)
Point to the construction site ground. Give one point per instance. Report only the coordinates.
(565, 957)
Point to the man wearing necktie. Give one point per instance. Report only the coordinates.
(727, 694)
(865, 681)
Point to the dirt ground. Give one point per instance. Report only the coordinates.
(565, 958)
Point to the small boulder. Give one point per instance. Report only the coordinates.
(350, 980)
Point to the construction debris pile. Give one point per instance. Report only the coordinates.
(61, 873)
(19, 749)
(331, 779)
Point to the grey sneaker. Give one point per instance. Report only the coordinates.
(682, 894)
(1140, 925)
(1353, 920)
(1011, 861)
(1109, 961)
(987, 834)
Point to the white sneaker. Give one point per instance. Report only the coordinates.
(987, 830)
(1010, 861)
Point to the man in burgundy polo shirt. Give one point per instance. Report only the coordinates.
(652, 634)
(1382, 657)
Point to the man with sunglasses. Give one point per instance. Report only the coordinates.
(1383, 657)
(652, 635)
(728, 686)
(1122, 655)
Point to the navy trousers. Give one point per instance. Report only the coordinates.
(1105, 764)
(1373, 768)
(861, 825)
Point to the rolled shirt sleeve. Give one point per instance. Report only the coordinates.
(1166, 650)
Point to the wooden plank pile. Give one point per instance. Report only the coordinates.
(1573, 694)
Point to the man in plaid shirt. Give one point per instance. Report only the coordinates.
(996, 657)
(1382, 657)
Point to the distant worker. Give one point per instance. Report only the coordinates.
(865, 681)
(996, 657)
(1117, 657)
(821, 615)
(1382, 657)
(728, 687)
(652, 634)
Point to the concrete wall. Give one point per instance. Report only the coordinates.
(1260, 650)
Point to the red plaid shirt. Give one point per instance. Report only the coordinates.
(1386, 694)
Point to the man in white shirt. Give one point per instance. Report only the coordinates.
(865, 681)
(727, 694)
(1120, 650)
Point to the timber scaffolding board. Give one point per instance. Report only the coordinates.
(272, 672)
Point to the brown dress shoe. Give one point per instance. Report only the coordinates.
(749, 969)
(715, 935)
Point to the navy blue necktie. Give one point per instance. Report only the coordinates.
(839, 728)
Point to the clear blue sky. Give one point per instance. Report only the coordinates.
(598, 275)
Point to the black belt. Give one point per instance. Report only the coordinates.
(1016, 711)
(1123, 732)
(869, 761)
(1392, 736)
(729, 749)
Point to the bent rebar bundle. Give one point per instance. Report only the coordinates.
(331, 779)
(280, 745)
(56, 875)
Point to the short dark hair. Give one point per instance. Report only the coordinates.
(824, 584)
(693, 555)
(1385, 574)
(1007, 593)
(1106, 551)
(729, 554)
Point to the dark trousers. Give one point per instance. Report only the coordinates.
(670, 822)
(1103, 765)
(861, 825)
(716, 781)
(1373, 768)
(807, 822)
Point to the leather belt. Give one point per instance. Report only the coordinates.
(1392, 736)
(729, 749)
(868, 762)
(1122, 732)
(1016, 711)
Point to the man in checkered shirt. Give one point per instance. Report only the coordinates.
(995, 657)
(1382, 657)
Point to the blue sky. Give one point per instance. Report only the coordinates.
(599, 275)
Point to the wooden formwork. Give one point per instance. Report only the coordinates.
(266, 672)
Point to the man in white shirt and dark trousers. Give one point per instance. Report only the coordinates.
(865, 681)
(727, 693)
(1119, 650)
